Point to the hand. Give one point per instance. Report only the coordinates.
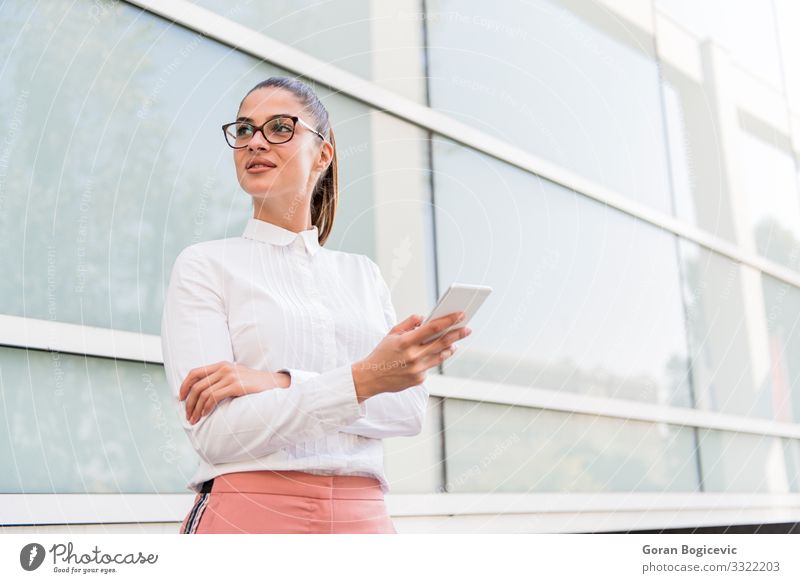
(400, 360)
(206, 386)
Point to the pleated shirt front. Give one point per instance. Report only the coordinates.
(276, 300)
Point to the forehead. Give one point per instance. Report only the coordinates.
(263, 103)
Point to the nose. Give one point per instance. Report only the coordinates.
(258, 141)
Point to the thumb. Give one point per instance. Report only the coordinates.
(407, 325)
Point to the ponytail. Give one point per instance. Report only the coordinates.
(326, 197)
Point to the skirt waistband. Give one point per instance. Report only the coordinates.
(296, 483)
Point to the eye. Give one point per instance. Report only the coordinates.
(281, 125)
(242, 130)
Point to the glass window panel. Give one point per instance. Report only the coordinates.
(722, 328)
(745, 27)
(782, 311)
(792, 453)
(337, 32)
(114, 159)
(770, 187)
(787, 14)
(586, 299)
(763, 168)
(566, 80)
(497, 448)
(414, 464)
(88, 425)
(742, 462)
(701, 190)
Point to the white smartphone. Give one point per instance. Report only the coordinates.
(459, 297)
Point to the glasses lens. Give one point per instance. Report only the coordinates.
(239, 134)
(279, 130)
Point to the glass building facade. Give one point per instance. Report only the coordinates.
(624, 174)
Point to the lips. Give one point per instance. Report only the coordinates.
(260, 163)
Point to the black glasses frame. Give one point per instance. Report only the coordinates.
(295, 121)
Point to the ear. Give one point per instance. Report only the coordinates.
(325, 157)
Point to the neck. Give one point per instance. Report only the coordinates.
(295, 218)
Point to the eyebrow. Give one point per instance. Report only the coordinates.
(242, 118)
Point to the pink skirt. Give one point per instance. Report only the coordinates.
(288, 502)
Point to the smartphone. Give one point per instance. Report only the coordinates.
(459, 297)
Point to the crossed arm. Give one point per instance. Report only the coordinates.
(388, 414)
(194, 333)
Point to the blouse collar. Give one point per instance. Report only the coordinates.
(266, 232)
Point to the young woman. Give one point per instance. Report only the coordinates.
(285, 358)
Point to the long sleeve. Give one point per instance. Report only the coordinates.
(388, 414)
(194, 332)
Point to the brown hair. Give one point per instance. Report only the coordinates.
(325, 196)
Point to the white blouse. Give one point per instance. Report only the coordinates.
(276, 300)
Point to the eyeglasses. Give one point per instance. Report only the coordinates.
(276, 130)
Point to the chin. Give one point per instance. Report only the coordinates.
(259, 190)
(255, 184)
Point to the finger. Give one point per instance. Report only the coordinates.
(447, 339)
(202, 400)
(433, 327)
(213, 396)
(215, 399)
(453, 332)
(406, 325)
(435, 359)
(198, 388)
(194, 395)
(193, 376)
(187, 383)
